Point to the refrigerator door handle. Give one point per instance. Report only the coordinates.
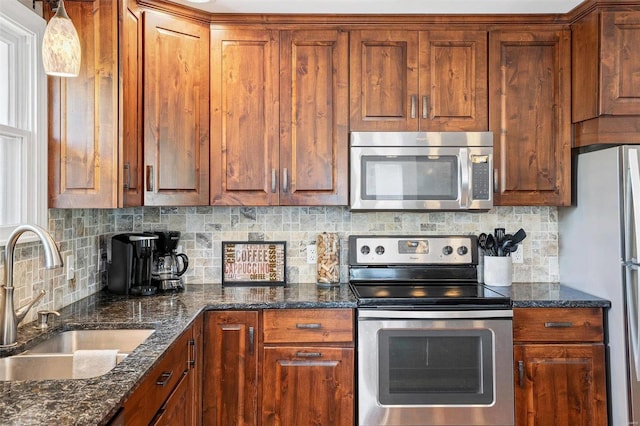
(632, 213)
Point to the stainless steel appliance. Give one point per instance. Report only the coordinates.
(434, 346)
(599, 239)
(129, 269)
(168, 264)
(421, 170)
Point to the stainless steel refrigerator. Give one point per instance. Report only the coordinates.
(598, 241)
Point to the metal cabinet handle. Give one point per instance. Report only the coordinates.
(285, 180)
(251, 340)
(273, 180)
(164, 378)
(558, 324)
(192, 360)
(309, 326)
(495, 180)
(425, 107)
(150, 178)
(309, 354)
(413, 106)
(521, 373)
(127, 173)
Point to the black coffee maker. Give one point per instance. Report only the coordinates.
(129, 271)
(168, 265)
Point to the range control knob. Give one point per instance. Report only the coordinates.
(447, 250)
(380, 250)
(462, 250)
(365, 250)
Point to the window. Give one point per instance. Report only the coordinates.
(23, 119)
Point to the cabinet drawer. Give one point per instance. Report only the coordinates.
(557, 325)
(152, 393)
(308, 325)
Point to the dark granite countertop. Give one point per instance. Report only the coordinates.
(550, 295)
(96, 400)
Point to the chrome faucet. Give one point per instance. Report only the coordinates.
(9, 318)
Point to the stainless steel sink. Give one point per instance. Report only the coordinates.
(68, 342)
(53, 358)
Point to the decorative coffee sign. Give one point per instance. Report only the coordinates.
(253, 263)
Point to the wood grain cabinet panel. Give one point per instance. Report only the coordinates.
(83, 114)
(559, 378)
(279, 117)
(176, 111)
(230, 381)
(418, 80)
(528, 114)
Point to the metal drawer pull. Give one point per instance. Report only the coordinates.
(558, 324)
(150, 178)
(309, 354)
(127, 173)
(164, 378)
(273, 180)
(285, 180)
(309, 326)
(192, 361)
(425, 107)
(521, 373)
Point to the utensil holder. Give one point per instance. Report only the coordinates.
(498, 270)
(328, 260)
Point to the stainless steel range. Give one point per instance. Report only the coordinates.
(434, 346)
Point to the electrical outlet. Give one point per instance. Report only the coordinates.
(70, 265)
(312, 253)
(518, 255)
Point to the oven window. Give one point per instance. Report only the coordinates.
(410, 177)
(444, 367)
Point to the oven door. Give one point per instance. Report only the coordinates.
(435, 367)
(420, 178)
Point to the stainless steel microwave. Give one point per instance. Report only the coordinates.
(421, 171)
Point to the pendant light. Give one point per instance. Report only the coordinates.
(61, 45)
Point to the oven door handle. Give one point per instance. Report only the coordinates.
(411, 314)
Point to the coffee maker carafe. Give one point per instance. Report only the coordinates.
(129, 271)
(168, 265)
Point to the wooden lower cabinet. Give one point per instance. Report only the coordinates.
(294, 366)
(559, 367)
(169, 394)
(307, 385)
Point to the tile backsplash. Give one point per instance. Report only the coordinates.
(84, 232)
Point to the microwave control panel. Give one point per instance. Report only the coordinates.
(480, 175)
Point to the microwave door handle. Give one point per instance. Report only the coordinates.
(463, 187)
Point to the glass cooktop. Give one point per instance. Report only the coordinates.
(428, 294)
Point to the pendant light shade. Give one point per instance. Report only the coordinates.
(61, 45)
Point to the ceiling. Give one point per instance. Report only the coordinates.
(473, 7)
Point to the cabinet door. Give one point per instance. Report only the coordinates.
(384, 80)
(196, 370)
(308, 386)
(244, 117)
(230, 393)
(529, 116)
(176, 111)
(83, 114)
(314, 117)
(620, 65)
(560, 385)
(453, 81)
(177, 409)
(130, 110)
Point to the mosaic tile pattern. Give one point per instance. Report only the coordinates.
(84, 232)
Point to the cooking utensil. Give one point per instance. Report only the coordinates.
(499, 235)
(482, 240)
(490, 245)
(518, 237)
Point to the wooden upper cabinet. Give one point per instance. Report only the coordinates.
(410, 80)
(83, 114)
(314, 139)
(529, 116)
(606, 41)
(244, 117)
(279, 132)
(130, 111)
(176, 111)
(606, 77)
